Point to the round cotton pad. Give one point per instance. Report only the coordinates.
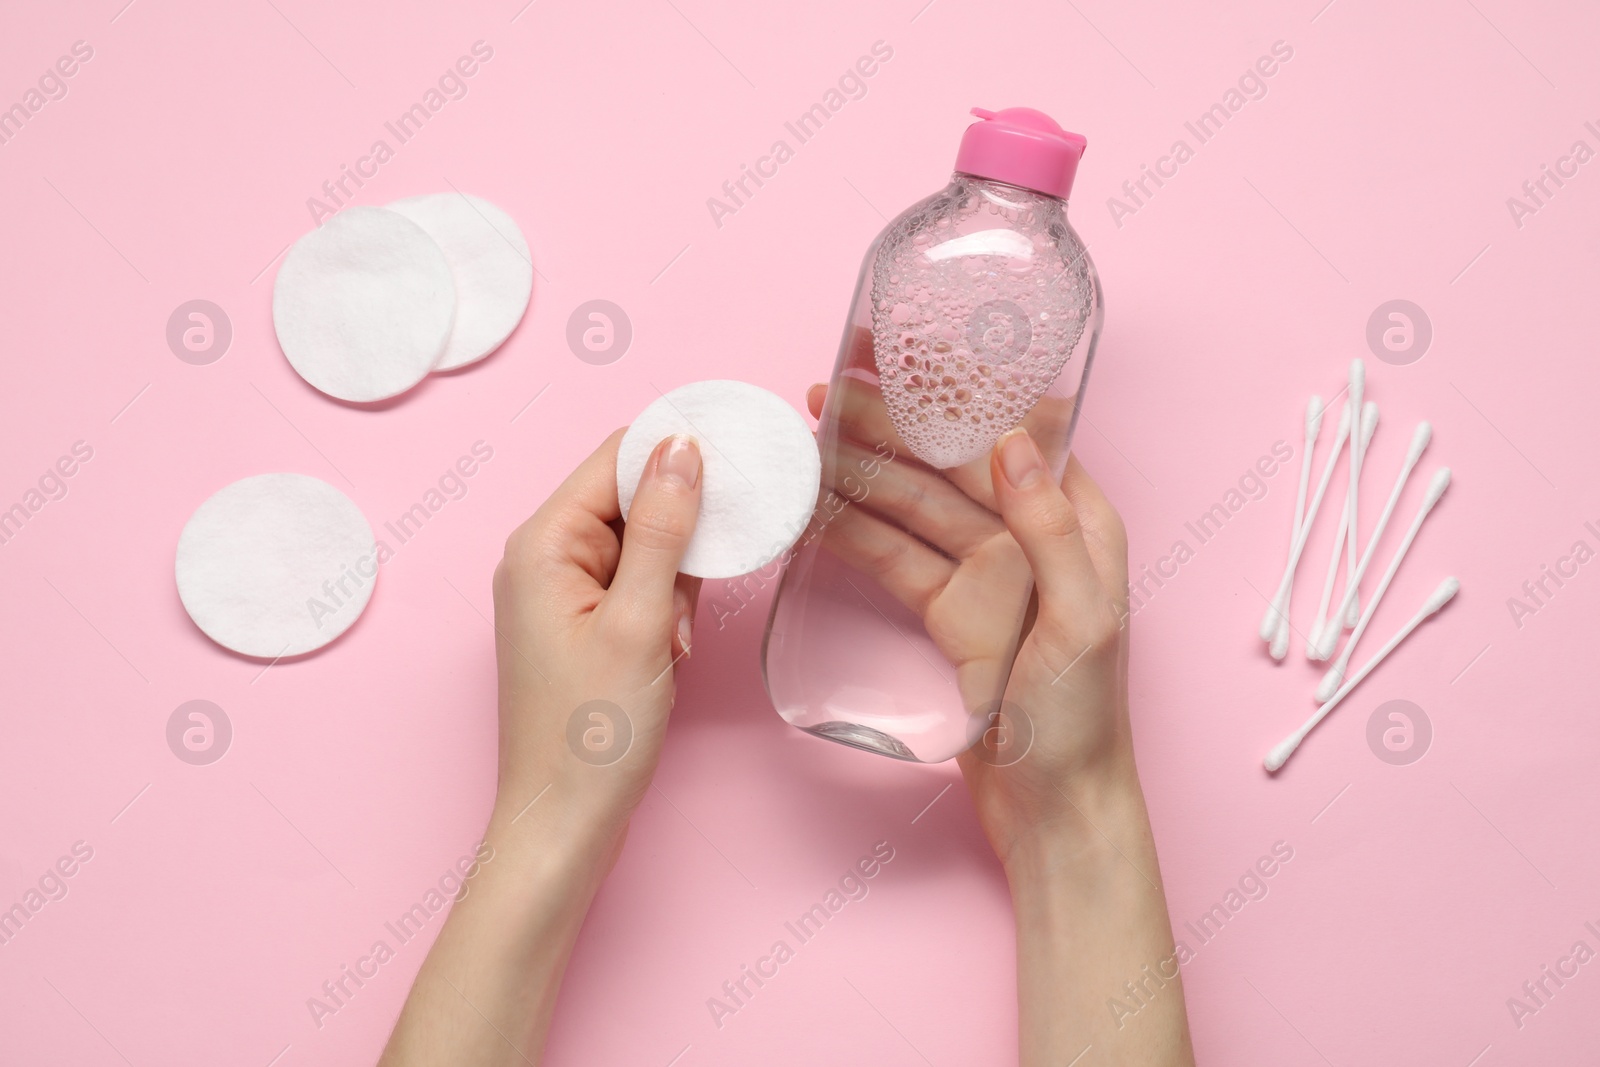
(489, 259)
(276, 565)
(363, 305)
(761, 472)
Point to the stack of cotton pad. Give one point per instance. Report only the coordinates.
(374, 300)
(760, 476)
(276, 565)
(489, 261)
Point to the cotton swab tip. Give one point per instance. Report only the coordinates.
(1314, 412)
(1419, 441)
(1327, 641)
(1442, 595)
(1436, 488)
(1330, 683)
(1281, 752)
(1269, 622)
(1369, 421)
(1358, 376)
(1280, 642)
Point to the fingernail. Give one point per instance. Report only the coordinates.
(1020, 459)
(685, 633)
(680, 459)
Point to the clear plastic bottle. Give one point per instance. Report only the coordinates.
(977, 310)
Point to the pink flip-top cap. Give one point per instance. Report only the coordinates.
(1021, 146)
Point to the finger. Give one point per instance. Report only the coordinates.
(909, 570)
(861, 416)
(573, 524)
(915, 498)
(816, 396)
(861, 354)
(1050, 422)
(857, 407)
(685, 605)
(656, 535)
(1048, 528)
(1103, 531)
(592, 488)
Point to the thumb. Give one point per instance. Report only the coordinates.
(1046, 526)
(655, 538)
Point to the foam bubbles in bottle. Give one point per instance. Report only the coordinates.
(977, 311)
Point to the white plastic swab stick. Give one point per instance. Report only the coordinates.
(1358, 384)
(1285, 748)
(1269, 621)
(1314, 411)
(1335, 675)
(1314, 641)
(1419, 444)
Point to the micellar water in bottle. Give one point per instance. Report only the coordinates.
(977, 311)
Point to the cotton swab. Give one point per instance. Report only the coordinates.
(1314, 641)
(1285, 748)
(1275, 609)
(1358, 384)
(1335, 675)
(1419, 444)
(1369, 425)
(1314, 412)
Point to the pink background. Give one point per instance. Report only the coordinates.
(1378, 166)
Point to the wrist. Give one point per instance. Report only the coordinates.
(555, 831)
(538, 873)
(1099, 821)
(1092, 928)
(566, 798)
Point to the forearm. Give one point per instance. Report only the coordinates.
(1095, 960)
(486, 992)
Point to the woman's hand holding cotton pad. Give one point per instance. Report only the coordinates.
(760, 478)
